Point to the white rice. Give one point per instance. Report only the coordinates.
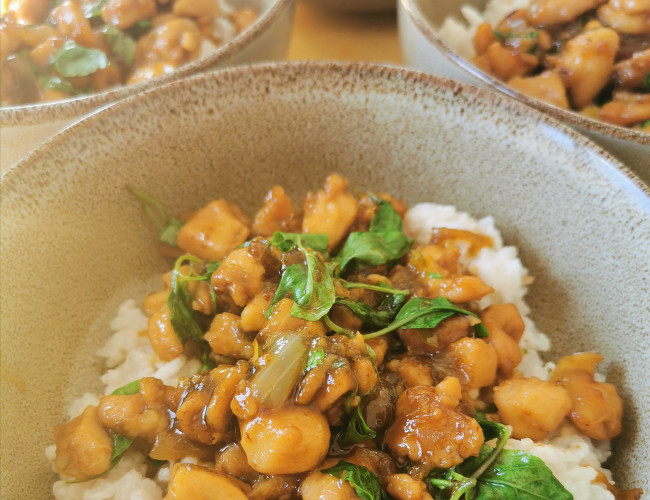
(572, 457)
(458, 34)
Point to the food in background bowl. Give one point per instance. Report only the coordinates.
(592, 56)
(329, 349)
(57, 50)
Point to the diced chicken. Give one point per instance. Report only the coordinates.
(280, 320)
(277, 214)
(162, 336)
(505, 327)
(193, 482)
(240, 275)
(226, 337)
(404, 487)
(71, 22)
(547, 87)
(204, 11)
(253, 317)
(555, 12)
(28, 12)
(474, 360)
(125, 13)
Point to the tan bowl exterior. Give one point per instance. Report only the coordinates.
(75, 242)
(22, 128)
(425, 51)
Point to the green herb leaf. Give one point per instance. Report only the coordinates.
(56, 83)
(367, 314)
(357, 430)
(419, 312)
(128, 390)
(122, 45)
(92, 9)
(286, 241)
(168, 227)
(310, 287)
(74, 60)
(379, 287)
(120, 445)
(365, 483)
(316, 357)
(383, 243)
(646, 81)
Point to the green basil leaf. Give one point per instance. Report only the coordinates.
(168, 227)
(480, 331)
(365, 483)
(369, 316)
(316, 357)
(122, 45)
(357, 430)
(310, 287)
(385, 218)
(56, 83)
(286, 241)
(128, 390)
(120, 445)
(92, 10)
(74, 60)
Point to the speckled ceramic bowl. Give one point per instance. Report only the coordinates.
(75, 242)
(424, 50)
(354, 5)
(22, 128)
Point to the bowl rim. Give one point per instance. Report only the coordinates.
(574, 118)
(365, 70)
(34, 114)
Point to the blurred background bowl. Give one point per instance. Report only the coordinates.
(22, 128)
(76, 243)
(353, 5)
(423, 49)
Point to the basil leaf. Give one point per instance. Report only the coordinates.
(168, 227)
(128, 390)
(365, 483)
(367, 314)
(92, 9)
(286, 241)
(383, 243)
(310, 287)
(357, 430)
(56, 83)
(120, 445)
(74, 60)
(379, 287)
(316, 357)
(122, 45)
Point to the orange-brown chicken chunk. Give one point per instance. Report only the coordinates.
(214, 231)
(83, 447)
(240, 275)
(225, 337)
(596, 407)
(193, 482)
(428, 432)
(331, 210)
(277, 214)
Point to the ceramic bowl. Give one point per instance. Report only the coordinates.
(353, 5)
(75, 242)
(22, 128)
(423, 49)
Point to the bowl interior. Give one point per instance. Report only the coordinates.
(75, 243)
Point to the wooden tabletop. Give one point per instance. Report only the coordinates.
(320, 34)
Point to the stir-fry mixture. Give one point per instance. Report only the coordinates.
(339, 360)
(591, 56)
(55, 49)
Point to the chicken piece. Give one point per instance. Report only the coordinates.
(505, 327)
(28, 12)
(214, 231)
(596, 407)
(586, 64)
(404, 487)
(556, 12)
(162, 336)
(625, 22)
(320, 486)
(193, 482)
(240, 275)
(429, 433)
(459, 289)
(413, 370)
(231, 460)
(532, 407)
(626, 108)
(253, 316)
(483, 38)
(288, 440)
(126, 13)
(277, 214)
(137, 415)
(204, 11)
(506, 62)
(280, 320)
(331, 211)
(631, 6)
(547, 87)
(226, 337)
(71, 22)
(242, 19)
(365, 373)
(218, 415)
(434, 340)
(338, 383)
(474, 360)
(83, 447)
(631, 73)
(380, 347)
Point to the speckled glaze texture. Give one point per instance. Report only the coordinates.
(425, 51)
(22, 128)
(75, 242)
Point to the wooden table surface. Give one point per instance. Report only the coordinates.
(320, 34)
